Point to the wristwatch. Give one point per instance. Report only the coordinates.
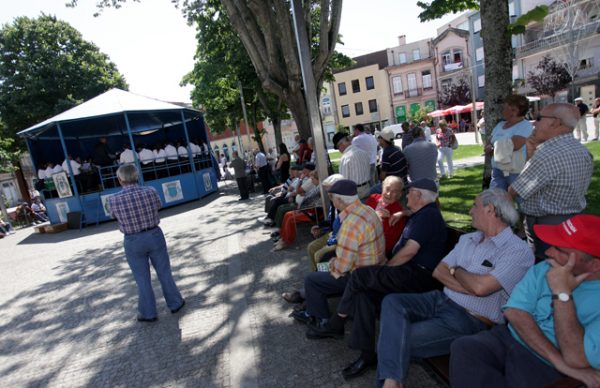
(452, 271)
(562, 296)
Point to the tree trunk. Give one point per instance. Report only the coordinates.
(297, 105)
(266, 31)
(277, 131)
(498, 67)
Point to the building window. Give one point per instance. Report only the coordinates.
(370, 83)
(358, 108)
(586, 63)
(479, 54)
(477, 26)
(397, 85)
(345, 111)
(342, 88)
(457, 55)
(355, 86)
(446, 58)
(416, 54)
(412, 84)
(372, 106)
(402, 58)
(426, 74)
(481, 81)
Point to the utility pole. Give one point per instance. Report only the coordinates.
(310, 94)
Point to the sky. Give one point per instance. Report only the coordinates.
(153, 46)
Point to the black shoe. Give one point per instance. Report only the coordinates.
(174, 311)
(300, 316)
(142, 319)
(359, 367)
(275, 234)
(292, 297)
(321, 330)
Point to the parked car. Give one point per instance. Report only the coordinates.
(397, 128)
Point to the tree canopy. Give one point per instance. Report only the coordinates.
(221, 67)
(549, 77)
(266, 30)
(47, 67)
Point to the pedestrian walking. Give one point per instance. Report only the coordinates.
(136, 210)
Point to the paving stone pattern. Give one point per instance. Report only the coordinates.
(68, 308)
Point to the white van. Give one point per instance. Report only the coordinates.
(397, 128)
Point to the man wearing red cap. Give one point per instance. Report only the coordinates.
(554, 319)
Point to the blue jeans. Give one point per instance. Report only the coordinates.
(418, 325)
(500, 181)
(139, 248)
(318, 287)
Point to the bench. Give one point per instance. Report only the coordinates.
(440, 365)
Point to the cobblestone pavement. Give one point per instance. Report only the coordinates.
(68, 307)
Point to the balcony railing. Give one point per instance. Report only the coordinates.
(452, 66)
(556, 40)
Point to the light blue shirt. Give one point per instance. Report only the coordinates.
(505, 256)
(534, 296)
(522, 128)
(260, 160)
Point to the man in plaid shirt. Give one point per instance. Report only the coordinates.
(360, 243)
(552, 186)
(136, 210)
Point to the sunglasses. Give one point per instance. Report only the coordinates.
(540, 117)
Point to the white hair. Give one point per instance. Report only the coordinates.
(426, 195)
(347, 199)
(504, 206)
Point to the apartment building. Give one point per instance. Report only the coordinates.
(411, 78)
(569, 34)
(361, 93)
(451, 57)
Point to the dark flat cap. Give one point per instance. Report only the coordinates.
(343, 187)
(297, 167)
(310, 166)
(425, 184)
(337, 137)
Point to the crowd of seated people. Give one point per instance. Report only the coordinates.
(158, 161)
(506, 314)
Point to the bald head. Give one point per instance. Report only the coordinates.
(555, 120)
(567, 113)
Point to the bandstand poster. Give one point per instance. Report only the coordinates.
(62, 208)
(61, 182)
(172, 191)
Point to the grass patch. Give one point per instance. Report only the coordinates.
(467, 151)
(457, 194)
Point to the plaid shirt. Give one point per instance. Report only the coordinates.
(135, 208)
(554, 181)
(360, 240)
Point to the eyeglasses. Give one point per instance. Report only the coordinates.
(540, 117)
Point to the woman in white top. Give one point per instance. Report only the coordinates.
(513, 127)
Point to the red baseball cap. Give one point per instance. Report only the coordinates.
(580, 232)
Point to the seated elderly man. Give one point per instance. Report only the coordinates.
(415, 255)
(360, 243)
(385, 205)
(553, 315)
(39, 209)
(479, 275)
(278, 193)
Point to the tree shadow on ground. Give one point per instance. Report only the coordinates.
(78, 328)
